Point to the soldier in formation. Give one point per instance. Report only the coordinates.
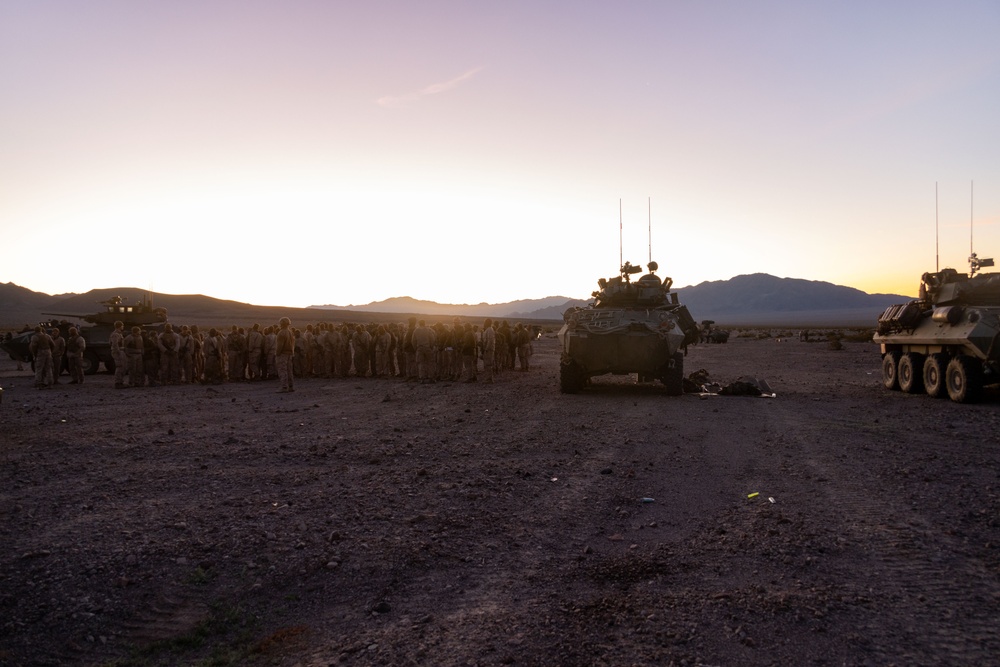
(40, 347)
(117, 340)
(414, 351)
(75, 345)
(134, 347)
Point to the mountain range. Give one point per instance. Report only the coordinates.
(759, 299)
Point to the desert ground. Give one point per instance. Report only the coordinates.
(376, 522)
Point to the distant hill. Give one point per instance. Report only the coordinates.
(14, 297)
(762, 298)
(525, 308)
(759, 299)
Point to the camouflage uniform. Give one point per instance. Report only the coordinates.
(382, 342)
(133, 352)
(270, 341)
(185, 355)
(489, 346)
(284, 351)
(58, 351)
(199, 354)
(169, 344)
(361, 340)
(344, 351)
(75, 345)
(423, 343)
(234, 346)
(523, 339)
(456, 350)
(151, 358)
(41, 351)
(117, 341)
(255, 351)
(469, 361)
(213, 347)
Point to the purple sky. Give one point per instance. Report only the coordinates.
(298, 153)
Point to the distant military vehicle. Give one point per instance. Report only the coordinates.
(98, 349)
(710, 335)
(946, 342)
(630, 328)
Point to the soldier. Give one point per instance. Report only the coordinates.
(317, 356)
(234, 347)
(372, 361)
(255, 351)
(489, 347)
(58, 352)
(169, 344)
(40, 347)
(284, 351)
(457, 330)
(185, 355)
(117, 341)
(270, 341)
(410, 350)
(361, 340)
(134, 347)
(330, 343)
(133, 352)
(469, 361)
(75, 345)
(199, 354)
(344, 351)
(381, 343)
(151, 358)
(441, 345)
(523, 340)
(423, 344)
(214, 348)
(393, 330)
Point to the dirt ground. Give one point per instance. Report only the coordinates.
(375, 522)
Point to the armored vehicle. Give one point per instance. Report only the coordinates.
(103, 323)
(630, 327)
(946, 342)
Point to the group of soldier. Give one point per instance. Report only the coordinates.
(413, 351)
(49, 349)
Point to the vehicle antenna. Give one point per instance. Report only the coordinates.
(621, 257)
(971, 198)
(649, 206)
(937, 238)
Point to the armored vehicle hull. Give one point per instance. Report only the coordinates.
(631, 328)
(98, 350)
(947, 342)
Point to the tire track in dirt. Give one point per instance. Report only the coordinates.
(910, 559)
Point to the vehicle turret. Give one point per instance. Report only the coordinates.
(947, 341)
(630, 327)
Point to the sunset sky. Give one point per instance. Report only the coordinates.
(325, 152)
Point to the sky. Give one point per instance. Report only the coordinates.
(310, 152)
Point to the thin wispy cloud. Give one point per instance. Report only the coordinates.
(433, 89)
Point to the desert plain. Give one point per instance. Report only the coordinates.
(379, 522)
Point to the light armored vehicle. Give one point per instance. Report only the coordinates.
(631, 327)
(947, 342)
(98, 349)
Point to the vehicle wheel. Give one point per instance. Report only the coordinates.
(964, 379)
(90, 362)
(672, 376)
(911, 373)
(570, 377)
(934, 372)
(890, 369)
